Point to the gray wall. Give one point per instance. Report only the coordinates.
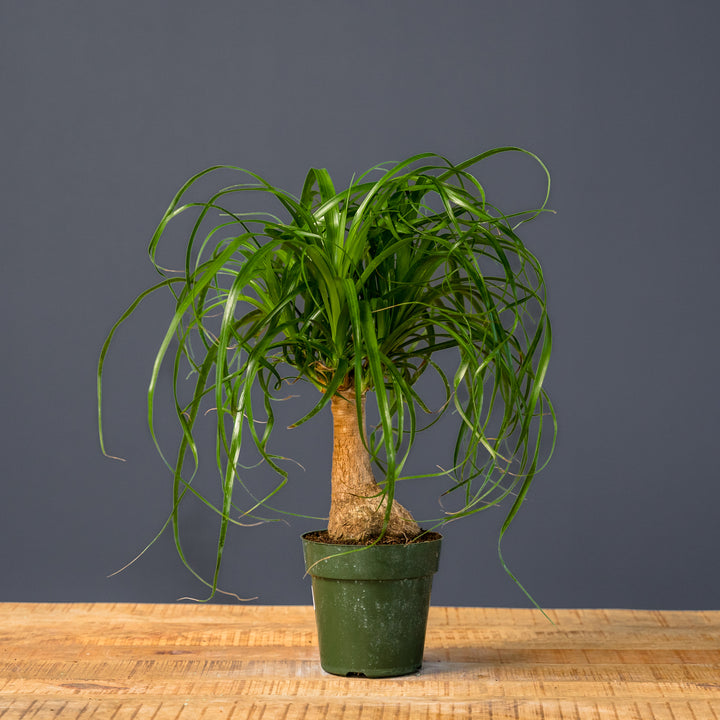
(106, 109)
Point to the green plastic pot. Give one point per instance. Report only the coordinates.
(371, 604)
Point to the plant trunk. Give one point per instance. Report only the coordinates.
(357, 505)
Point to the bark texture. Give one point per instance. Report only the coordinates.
(357, 507)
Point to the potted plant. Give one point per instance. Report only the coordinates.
(360, 291)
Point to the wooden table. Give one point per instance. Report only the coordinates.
(213, 661)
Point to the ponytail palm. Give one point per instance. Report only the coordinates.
(358, 291)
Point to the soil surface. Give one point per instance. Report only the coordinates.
(322, 536)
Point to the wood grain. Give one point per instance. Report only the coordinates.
(186, 661)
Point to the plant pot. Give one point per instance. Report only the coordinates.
(371, 604)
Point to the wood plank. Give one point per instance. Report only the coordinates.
(188, 661)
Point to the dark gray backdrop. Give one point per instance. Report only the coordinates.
(106, 109)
